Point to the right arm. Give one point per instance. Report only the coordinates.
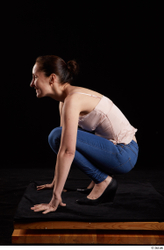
(60, 112)
(51, 185)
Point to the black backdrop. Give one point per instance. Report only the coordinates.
(119, 48)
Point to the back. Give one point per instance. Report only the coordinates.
(107, 120)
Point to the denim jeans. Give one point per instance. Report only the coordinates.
(98, 157)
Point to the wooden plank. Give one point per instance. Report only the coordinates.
(91, 225)
(54, 237)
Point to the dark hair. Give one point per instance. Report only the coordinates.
(53, 64)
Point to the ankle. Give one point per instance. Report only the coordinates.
(99, 189)
(91, 185)
(108, 179)
(105, 182)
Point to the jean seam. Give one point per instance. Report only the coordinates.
(125, 162)
(97, 147)
(136, 147)
(126, 146)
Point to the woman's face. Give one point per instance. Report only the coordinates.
(40, 82)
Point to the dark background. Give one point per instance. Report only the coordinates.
(118, 45)
(119, 48)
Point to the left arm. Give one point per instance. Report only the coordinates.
(70, 115)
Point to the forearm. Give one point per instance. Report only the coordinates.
(53, 181)
(63, 165)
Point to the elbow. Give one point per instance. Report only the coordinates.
(67, 152)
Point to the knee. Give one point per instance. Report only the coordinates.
(54, 139)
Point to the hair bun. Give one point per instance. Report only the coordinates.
(73, 67)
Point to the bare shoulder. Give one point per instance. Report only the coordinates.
(75, 90)
(82, 100)
(71, 101)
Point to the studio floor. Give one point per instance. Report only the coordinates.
(14, 180)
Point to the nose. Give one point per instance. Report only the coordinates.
(32, 83)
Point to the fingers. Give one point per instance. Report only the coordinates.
(62, 204)
(41, 187)
(43, 207)
(64, 190)
(49, 210)
(44, 186)
(53, 209)
(39, 208)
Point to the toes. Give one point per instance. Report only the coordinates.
(63, 204)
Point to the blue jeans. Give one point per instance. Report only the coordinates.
(98, 157)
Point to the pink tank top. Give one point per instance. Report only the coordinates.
(107, 120)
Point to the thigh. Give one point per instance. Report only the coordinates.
(100, 151)
(54, 139)
(109, 158)
(131, 150)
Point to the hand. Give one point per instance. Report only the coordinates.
(51, 207)
(45, 186)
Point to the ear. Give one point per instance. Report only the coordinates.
(52, 79)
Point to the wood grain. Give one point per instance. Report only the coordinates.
(23, 236)
(91, 225)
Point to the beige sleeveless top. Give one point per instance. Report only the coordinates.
(107, 120)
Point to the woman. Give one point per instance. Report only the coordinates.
(111, 150)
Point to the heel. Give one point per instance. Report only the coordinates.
(109, 198)
(110, 192)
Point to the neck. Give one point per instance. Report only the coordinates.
(63, 92)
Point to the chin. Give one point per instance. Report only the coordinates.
(39, 95)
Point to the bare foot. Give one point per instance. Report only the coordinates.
(99, 188)
(91, 185)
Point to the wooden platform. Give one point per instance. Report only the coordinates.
(69, 232)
